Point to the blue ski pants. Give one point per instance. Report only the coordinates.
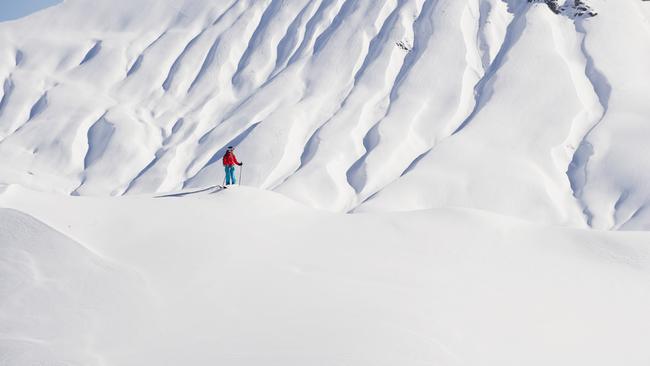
(230, 174)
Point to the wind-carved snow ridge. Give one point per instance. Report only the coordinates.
(38, 107)
(315, 22)
(482, 90)
(577, 171)
(136, 65)
(326, 35)
(92, 53)
(342, 99)
(430, 120)
(375, 48)
(99, 136)
(258, 34)
(485, 7)
(7, 89)
(20, 57)
(207, 63)
(138, 61)
(291, 38)
(422, 29)
(351, 113)
(172, 71)
(178, 62)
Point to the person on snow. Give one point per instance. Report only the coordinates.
(229, 162)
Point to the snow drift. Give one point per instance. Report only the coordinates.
(246, 277)
(60, 301)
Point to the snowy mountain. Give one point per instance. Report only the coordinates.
(503, 106)
(425, 182)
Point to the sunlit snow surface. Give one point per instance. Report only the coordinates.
(247, 277)
(493, 156)
(344, 105)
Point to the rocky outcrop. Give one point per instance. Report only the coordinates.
(572, 9)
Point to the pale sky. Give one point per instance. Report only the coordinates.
(13, 9)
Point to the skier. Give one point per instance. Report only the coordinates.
(229, 162)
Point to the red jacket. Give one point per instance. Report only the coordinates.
(230, 159)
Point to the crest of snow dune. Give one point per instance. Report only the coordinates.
(246, 277)
(55, 293)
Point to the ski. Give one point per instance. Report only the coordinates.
(218, 189)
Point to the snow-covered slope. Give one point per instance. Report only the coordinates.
(478, 143)
(59, 300)
(376, 105)
(247, 277)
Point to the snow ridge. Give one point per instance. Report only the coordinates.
(330, 102)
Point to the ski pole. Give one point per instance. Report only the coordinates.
(240, 170)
